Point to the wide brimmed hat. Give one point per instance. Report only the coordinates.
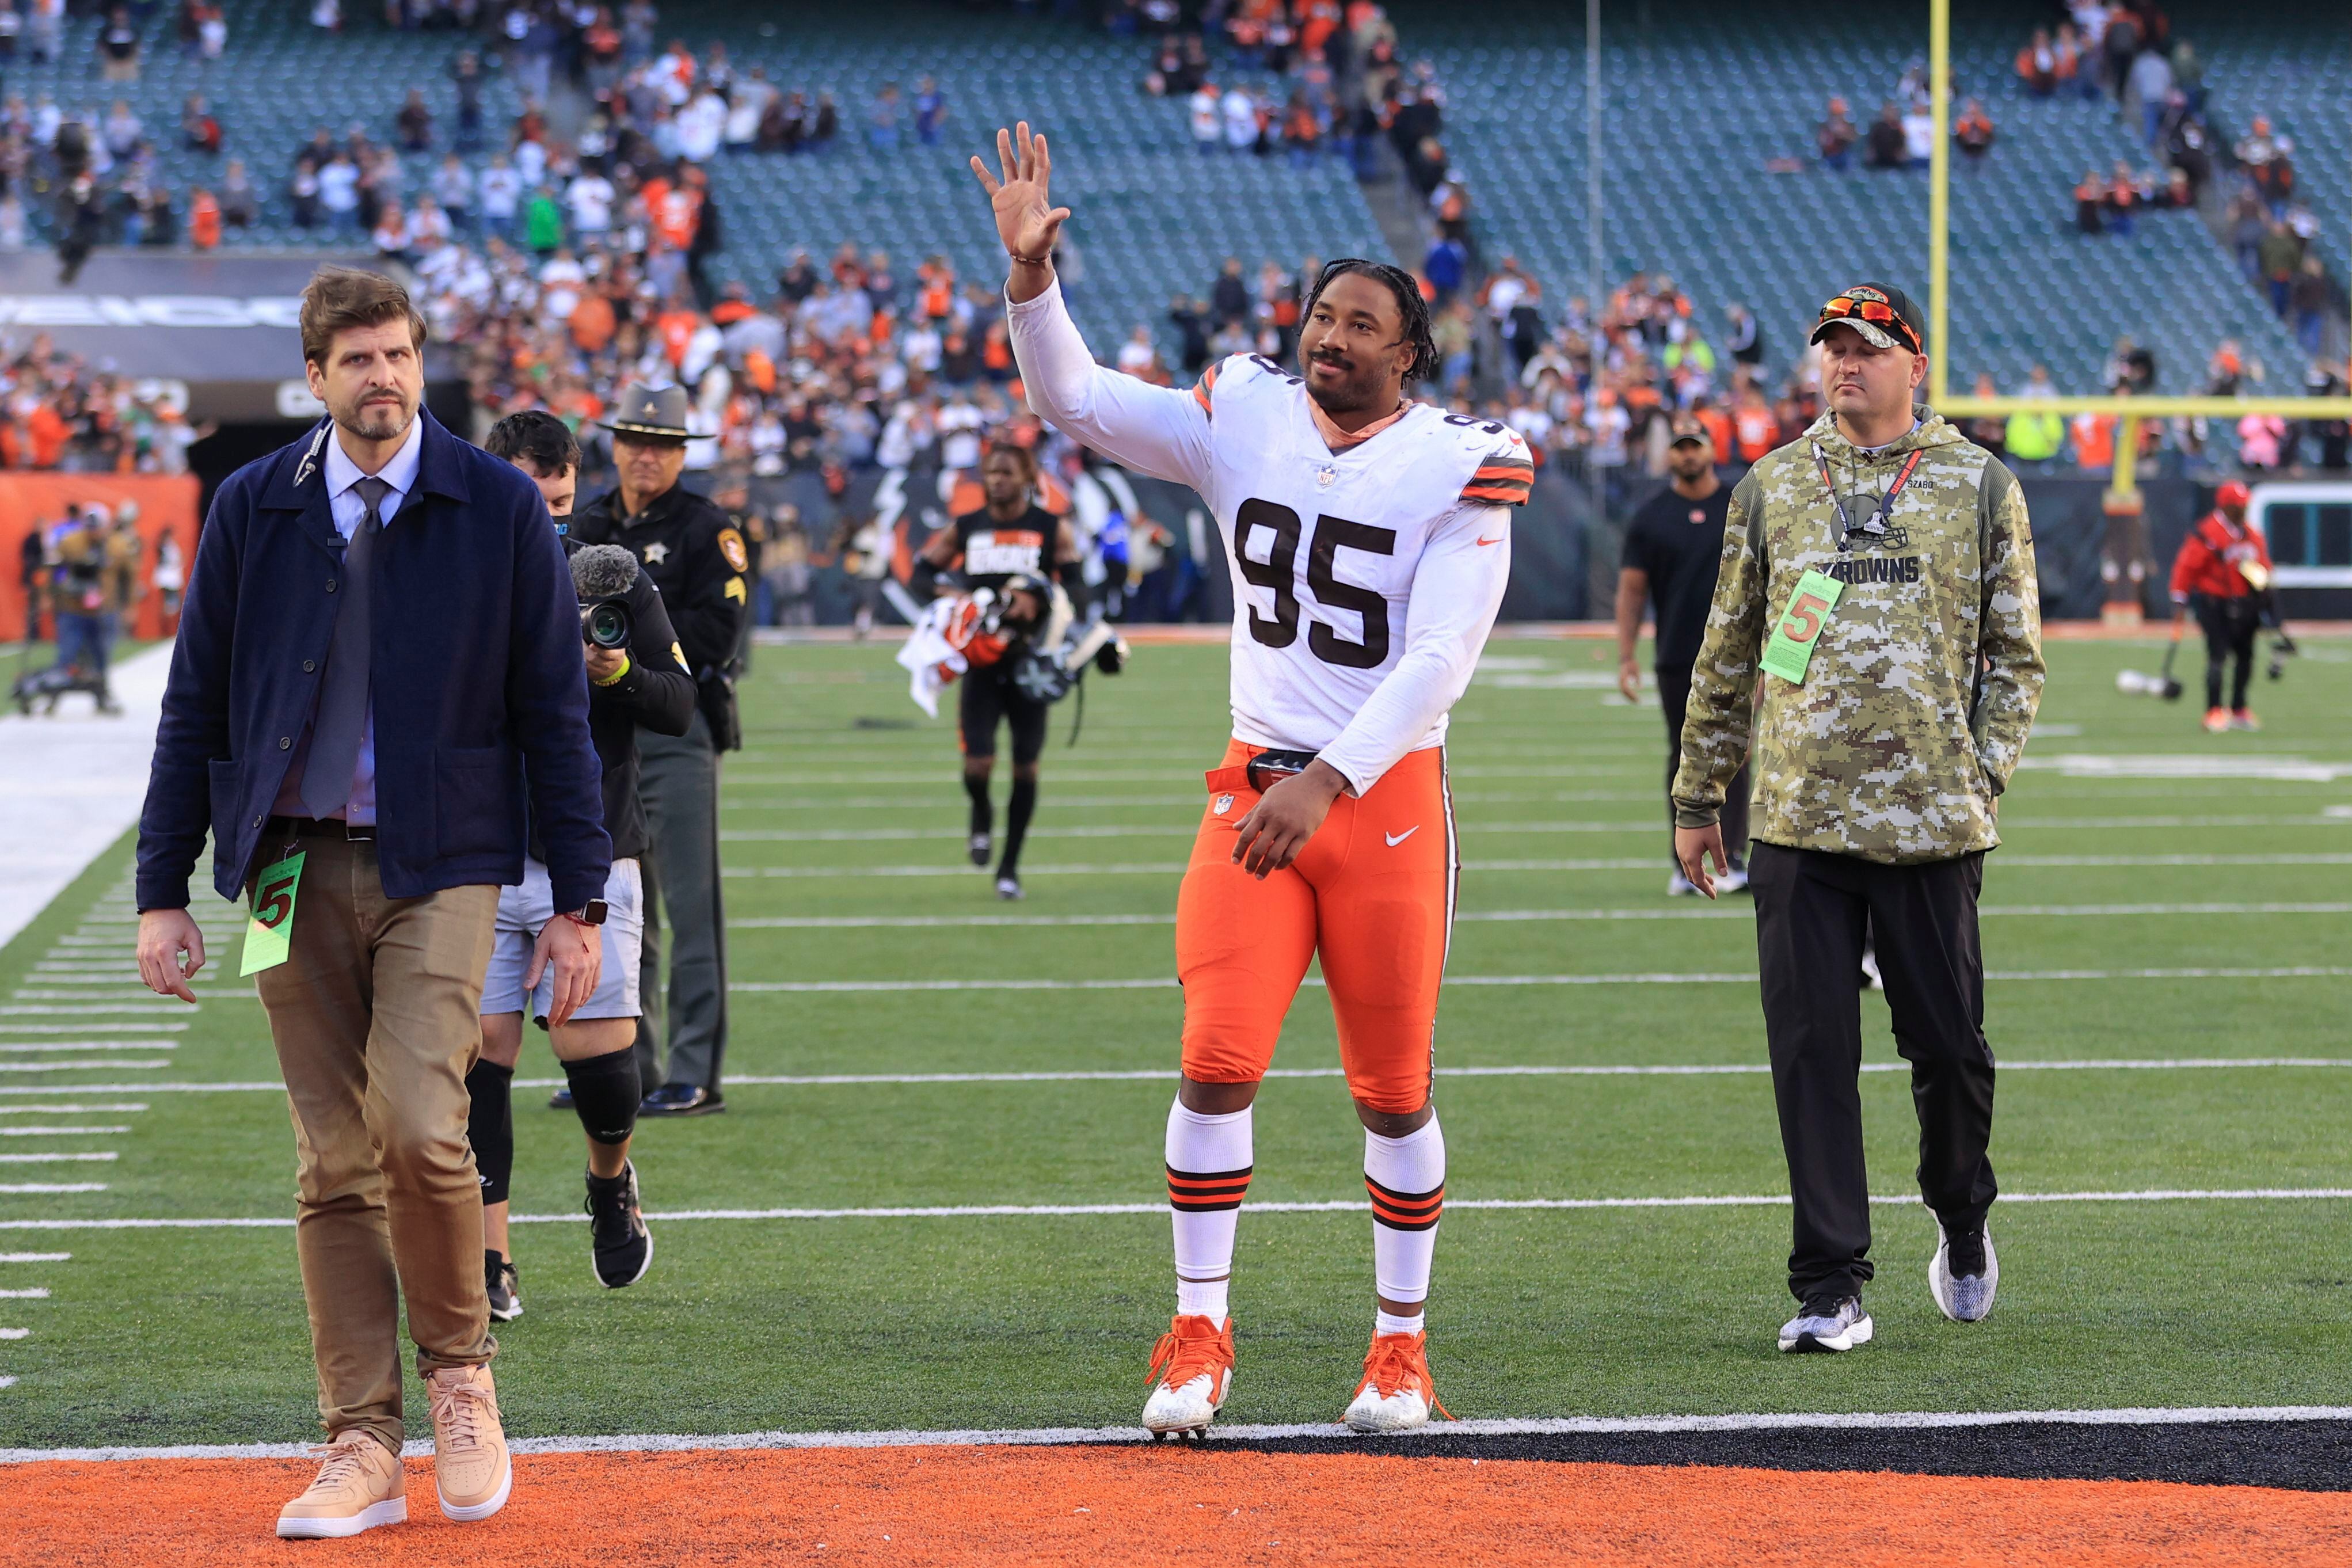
(652, 413)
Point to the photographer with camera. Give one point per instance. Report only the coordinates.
(697, 557)
(636, 676)
(1011, 536)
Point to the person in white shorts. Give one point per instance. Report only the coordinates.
(642, 681)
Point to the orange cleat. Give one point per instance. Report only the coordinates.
(1396, 1393)
(2216, 721)
(1193, 1366)
(2243, 719)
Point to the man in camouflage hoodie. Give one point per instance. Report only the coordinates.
(1879, 572)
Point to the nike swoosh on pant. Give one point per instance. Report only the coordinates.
(1396, 838)
(1497, 540)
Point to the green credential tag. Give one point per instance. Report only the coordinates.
(269, 935)
(1798, 628)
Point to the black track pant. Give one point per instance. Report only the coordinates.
(1812, 910)
(1673, 696)
(2230, 626)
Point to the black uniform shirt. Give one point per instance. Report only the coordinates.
(991, 552)
(1678, 544)
(696, 556)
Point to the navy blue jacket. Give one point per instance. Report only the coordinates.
(476, 672)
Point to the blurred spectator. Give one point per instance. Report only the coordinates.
(414, 122)
(1835, 137)
(2149, 84)
(1918, 136)
(198, 129)
(2279, 255)
(1974, 133)
(117, 47)
(1207, 118)
(2091, 205)
(240, 204)
(2310, 296)
(203, 219)
(930, 112)
(1887, 148)
(2037, 65)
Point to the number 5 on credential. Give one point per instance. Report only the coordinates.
(269, 935)
(1799, 628)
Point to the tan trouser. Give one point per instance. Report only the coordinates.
(375, 1017)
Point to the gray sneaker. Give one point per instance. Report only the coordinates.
(1964, 1274)
(1827, 1324)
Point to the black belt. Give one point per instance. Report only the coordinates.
(320, 827)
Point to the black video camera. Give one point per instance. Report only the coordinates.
(602, 575)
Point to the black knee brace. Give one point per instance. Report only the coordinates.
(605, 1091)
(491, 1125)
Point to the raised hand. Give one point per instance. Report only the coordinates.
(1026, 219)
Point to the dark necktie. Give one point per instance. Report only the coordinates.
(343, 700)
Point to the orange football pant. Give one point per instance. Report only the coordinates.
(1372, 894)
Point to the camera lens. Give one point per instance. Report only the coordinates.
(605, 623)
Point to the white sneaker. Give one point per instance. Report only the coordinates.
(1193, 1365)
(1732, 881)
(1679, 886)
(1008, 888)
(1963, 1298)
(1827, 1325)
(1871, 979)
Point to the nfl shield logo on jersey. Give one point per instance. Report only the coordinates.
(1223, 804)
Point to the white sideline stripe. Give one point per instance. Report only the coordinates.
(15, 1049)
(37, 1293)
(1700, 978)
(59, 1159)
(1563, 1426)
(15, 1333)
(1695, 912)
(159, 1028)
(52, 1186)
(1160, 1208)
(79, 1067)
(8, 1382)
(67, 1110)
(36, 1256)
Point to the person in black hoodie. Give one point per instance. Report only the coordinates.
(647, 683)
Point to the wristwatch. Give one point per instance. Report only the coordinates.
(592, 914)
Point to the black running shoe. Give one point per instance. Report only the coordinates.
(682, 1100)
(978, 848)
(504, 1287)
(616, 1229)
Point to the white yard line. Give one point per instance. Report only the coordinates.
(27, 1047)
(37, 1293)
(69, 1110)
(1646, 826)
(52, 1186)
(158, 1027)
(114, 1064)
(1734, 977)
(1159, 1207)
(1999, 859)
(99, 1158)
(1165, 1075)
(1564, 1426)
(56, 1132)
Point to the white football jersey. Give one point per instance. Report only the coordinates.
(1365, 581)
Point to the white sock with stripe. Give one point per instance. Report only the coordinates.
(1209, 1160)
(1406, 1179)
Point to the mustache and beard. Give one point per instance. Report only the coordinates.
(377, 415)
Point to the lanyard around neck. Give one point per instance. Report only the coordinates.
(1876, 522)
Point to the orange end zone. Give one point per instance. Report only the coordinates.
(1129, 1505)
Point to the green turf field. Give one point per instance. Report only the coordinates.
(2133, 843)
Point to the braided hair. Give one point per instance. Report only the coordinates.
(1411, 306)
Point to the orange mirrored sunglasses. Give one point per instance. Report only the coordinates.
(1877, 312)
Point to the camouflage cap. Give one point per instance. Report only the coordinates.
(1691, 427)
(1882, 314)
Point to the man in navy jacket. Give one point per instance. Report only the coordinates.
(378, 662)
